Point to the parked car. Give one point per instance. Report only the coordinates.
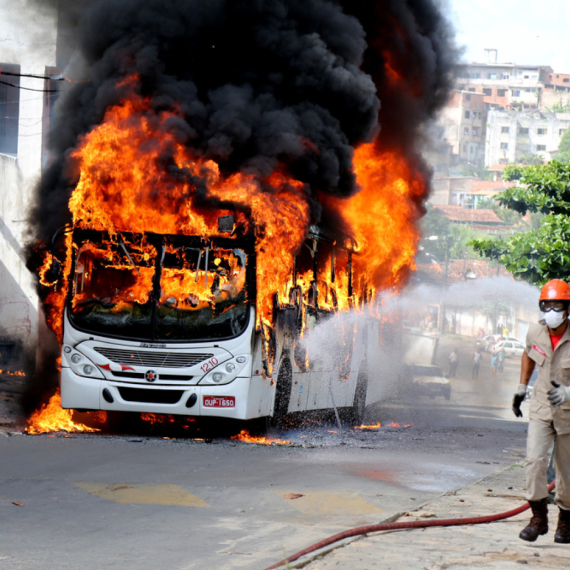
(511, 347)
(488, 341)
(429, 381)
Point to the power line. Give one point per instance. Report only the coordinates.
(30, 89)
(51, 78)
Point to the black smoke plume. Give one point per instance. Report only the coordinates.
(299, 83)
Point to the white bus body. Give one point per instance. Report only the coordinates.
(226, 377)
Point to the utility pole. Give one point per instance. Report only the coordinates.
(442, 316)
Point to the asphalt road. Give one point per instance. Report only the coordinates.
(140, 501)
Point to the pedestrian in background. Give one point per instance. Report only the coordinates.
(494, 366)
(501, 361)
(453, 362)
(477, 357)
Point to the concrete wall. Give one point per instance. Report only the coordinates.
(517, 140)
(29, 34)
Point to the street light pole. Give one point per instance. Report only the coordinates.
(442, 317)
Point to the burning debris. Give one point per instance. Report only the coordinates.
(376, 426)
(245, 437)
(272, 116)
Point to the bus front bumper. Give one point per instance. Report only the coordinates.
(228, 401)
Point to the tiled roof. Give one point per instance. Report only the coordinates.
(498, 185)
(471, 216)
(458, 268)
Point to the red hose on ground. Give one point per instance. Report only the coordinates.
(401, 525)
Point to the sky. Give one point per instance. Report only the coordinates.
(535, 32)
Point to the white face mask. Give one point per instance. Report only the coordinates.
(554, 319)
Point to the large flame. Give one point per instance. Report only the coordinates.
(135, 175)
(52, 417)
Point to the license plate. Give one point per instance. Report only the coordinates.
(219, 402)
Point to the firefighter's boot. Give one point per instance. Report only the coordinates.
(538, 524)
(563, 529)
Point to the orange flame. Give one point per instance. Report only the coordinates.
(52, 417)
(15, 373)
(379, 425)
(244, 436)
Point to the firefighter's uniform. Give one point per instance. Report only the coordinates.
(546, 421)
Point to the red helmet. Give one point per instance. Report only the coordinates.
(555, 290)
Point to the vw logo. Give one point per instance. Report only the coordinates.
(150, 375)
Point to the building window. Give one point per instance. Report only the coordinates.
(516, 93)
(467, 114)
(566, 80)
(472, 89)
(465, 130)
(542, 132)
(468, 97)
(505, 76)
(492, 75)
(503, 161)
(527, 76)
(9, 110)
(505, 130)
(487, 92)
(474, 75)
(541, 147)
(501, 92)
(523, 131)
(464, 148)
(504, 146)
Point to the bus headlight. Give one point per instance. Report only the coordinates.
(227, 371)
(81, 365)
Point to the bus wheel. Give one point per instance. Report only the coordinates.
(282, 393)
(356, 411)
(257, 427)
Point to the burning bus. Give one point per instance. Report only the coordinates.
(167, 324)
(227, 179)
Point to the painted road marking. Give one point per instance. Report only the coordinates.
(323, 503)
(143, 494)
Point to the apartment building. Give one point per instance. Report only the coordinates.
(463, 123)
(512, 134)
(504, 85)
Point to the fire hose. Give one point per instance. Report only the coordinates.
(402, 525)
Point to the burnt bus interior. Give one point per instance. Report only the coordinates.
(161, 287)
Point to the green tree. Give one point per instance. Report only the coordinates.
(530, 159)
(564, 148)
(543, 253)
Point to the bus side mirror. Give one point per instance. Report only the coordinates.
(52, 274)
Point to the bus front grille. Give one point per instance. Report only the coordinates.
(149, 396)
(149, 358)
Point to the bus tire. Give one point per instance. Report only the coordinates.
(355, 414)
(282, 393)
(258, 426)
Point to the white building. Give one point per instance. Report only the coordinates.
(512, 134)
(28, 46)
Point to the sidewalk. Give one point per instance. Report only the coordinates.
(490, 546)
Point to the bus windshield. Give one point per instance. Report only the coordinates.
(161, 293)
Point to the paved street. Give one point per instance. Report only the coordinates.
(98, 501)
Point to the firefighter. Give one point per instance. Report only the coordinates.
(548, 347)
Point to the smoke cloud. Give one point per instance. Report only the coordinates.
(296, 83)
